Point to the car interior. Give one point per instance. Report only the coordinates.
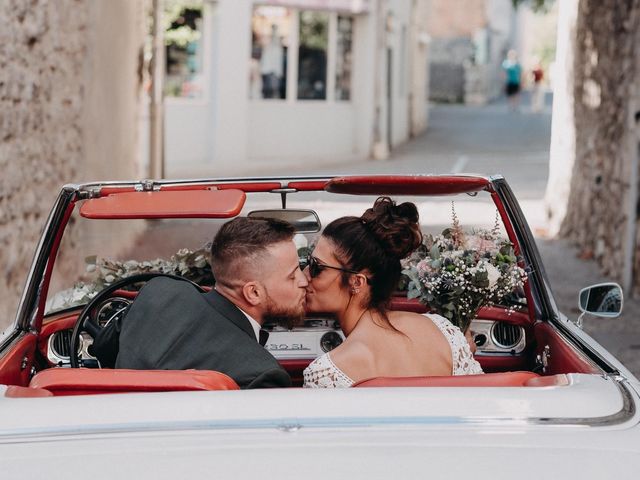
(109, 239)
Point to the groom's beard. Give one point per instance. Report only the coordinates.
(285, 317)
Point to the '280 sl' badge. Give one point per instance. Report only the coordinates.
(285, 346)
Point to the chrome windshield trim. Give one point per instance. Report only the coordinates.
(283, 180)
(626, 414)
(33, 285)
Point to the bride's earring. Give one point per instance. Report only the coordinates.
(355, 290)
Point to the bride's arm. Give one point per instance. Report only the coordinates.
(472, 344)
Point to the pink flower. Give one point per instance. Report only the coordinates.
(480, 244)
(424, 267)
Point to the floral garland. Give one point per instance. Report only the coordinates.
(191, 264)
(194, 265)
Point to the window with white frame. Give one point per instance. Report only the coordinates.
(305, 46)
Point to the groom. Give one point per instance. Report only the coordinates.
(172, 326)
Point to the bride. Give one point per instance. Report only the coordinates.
(352, 272)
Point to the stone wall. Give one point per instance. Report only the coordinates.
(446, 68)
(69, 97)
(470, 39)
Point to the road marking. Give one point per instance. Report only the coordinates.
(460, 164)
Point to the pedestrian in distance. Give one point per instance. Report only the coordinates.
(512, 75)
(537, 98)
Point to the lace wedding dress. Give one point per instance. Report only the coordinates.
(323, 373)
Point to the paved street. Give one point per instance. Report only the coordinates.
(491, 140)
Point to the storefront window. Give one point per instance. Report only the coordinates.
(184, 49)
(344, 58)
(270, 32)
(312, 55)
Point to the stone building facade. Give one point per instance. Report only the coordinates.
(70, 88)
(469, 40)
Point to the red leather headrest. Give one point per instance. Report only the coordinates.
(85, 381)
(502, 379)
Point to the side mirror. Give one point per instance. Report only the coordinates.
(304, 221)
(602, 300)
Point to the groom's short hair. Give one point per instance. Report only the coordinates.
(241, 244)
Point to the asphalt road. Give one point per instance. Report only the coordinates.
(494, 140)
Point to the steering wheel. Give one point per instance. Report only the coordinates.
(87, 321)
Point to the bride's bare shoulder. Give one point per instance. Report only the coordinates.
(352, 352)
(410, 319)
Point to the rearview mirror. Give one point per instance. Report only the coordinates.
(602, 300)
(304, 221)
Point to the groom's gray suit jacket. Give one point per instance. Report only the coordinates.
(173, 326)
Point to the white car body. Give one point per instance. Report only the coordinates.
(589, 428)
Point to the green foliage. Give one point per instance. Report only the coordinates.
(314, 30)
(538, 6)
(177, 31)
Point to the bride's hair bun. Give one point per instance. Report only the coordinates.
(396, 227)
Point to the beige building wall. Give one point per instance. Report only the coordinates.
(70, 85)
(456, 18)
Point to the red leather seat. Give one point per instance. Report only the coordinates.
(16, 391)
(502, 379)
(85, 381)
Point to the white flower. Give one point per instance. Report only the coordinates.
(493, 274)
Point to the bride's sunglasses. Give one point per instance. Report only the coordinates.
(315, 268)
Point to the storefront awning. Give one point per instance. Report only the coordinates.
(353, 6)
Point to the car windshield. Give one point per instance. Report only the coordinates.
(96, 253)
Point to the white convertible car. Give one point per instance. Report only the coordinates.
(552, 402)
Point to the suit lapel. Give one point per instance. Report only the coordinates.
(229, 311)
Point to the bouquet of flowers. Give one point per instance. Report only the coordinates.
(456, 273)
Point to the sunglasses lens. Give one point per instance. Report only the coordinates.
(314, 267)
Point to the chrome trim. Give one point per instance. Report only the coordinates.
(501, 345)
(625, 414)
(485, 327)
(55, 357)
(33, 286)
(284, 180)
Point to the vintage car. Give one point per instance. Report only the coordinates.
(552, 400)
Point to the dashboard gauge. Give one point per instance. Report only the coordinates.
(329, 341)
(111, 309)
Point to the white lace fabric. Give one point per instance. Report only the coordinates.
(323, 373)
(463, 361)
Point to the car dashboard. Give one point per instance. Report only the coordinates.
(501, 343)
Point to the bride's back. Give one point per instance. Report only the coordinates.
(409, 345)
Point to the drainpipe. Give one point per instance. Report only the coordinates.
(380, 148)
(156, 95)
